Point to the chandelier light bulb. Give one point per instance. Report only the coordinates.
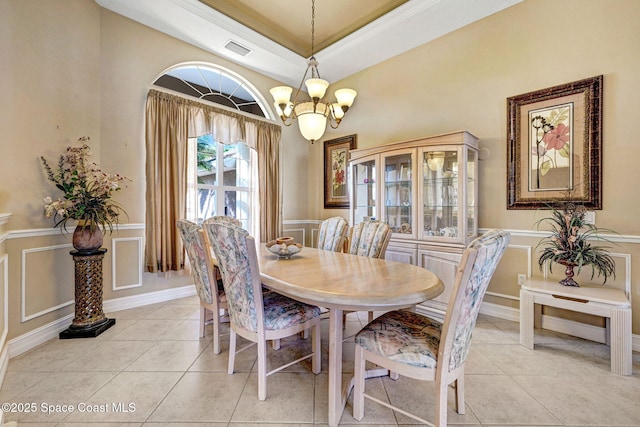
(281, 94)
(346, 97)
(312, 120)
(316, 88)
(435, 161)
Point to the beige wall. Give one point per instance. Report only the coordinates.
(461, 82)
(70, 68)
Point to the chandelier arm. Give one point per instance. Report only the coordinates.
(304, 77)
(332, 121)
(288, 121)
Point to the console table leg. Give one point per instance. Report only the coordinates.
(526, 319)
(621, 350)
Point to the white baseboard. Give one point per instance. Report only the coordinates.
(569, 327)
(33, 338)
(125, 303)
(500, 311)
(4, 364)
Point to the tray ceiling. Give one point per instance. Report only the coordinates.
(276, 34)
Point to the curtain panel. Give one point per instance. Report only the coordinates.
(170, 121)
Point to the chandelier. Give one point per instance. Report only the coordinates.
(312, 114)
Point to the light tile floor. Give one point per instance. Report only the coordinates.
(151, 369)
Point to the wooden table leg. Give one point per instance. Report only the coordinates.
(337, 399)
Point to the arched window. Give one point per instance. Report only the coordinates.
(215, 84)
(222, 178)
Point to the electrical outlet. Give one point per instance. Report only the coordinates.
(590, 217)
(521, 279)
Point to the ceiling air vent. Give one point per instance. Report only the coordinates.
(237, 48)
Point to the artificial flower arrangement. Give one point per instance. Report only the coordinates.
(569, 244)
(86, 191)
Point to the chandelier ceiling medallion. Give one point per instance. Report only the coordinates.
(312, 115)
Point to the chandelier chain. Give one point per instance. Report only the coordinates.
(312, 115)
(313, 24)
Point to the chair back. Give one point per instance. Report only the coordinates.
(235, 252)
(194, 244)
(479, 262)
(332, 233)
(229, 219)
(370, 239)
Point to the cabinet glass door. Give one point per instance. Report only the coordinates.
(440, 194)
(472, 188)
(398, 193)
(364, 194)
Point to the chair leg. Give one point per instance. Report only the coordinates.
(441, 405)
(262, 370)
(216, 332)
(232, 351)
(315, 345)
(358, 386)
(459, 386)
(275, 344)
(370, 318)
(203, 320)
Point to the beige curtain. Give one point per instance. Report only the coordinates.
(166, 172)
(268, 148)
(170, 121)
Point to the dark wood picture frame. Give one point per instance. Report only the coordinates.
(336, 171)
(554, 150)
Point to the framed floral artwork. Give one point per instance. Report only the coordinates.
(555, 147)
(336, 166)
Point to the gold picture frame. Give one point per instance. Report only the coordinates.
(555, 147)
(336, 168)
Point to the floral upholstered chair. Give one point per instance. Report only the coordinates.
(228, 219)
(257, 316)
(416, 346)
(332, 233)
(205, 276)
(370, 239)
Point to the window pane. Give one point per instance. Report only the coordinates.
(206, 160)
(237, 205)
(230, 165)
(206, 203)
(232, 195)
(243, 165)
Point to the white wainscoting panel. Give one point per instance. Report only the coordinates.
(525, 252)
(298, 234)
(58, 288)
(126, 250)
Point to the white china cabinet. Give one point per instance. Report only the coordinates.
(427, 191)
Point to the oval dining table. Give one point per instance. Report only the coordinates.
(339, 282)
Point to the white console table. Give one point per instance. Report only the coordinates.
(611, 303)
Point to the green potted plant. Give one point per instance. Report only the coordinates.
(86, 198)
(569, 243)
